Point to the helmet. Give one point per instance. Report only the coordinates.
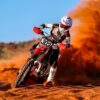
(66, 20)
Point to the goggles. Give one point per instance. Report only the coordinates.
(64, 26)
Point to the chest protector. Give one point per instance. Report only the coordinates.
(58, 33)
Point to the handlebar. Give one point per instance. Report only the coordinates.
(38, 30)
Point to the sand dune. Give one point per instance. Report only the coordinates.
(38, 92)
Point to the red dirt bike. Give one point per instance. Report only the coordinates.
(37, 69)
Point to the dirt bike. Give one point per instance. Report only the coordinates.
(37, 69)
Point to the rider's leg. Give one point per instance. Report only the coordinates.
(53, 64)
(51, 73)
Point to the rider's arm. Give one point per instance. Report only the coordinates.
(48, 26)
(67, 39)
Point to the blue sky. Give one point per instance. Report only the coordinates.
(17, 17)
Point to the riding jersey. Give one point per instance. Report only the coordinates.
(58, 33)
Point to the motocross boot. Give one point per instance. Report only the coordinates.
(50, 78)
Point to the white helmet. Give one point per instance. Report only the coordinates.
(66, 20)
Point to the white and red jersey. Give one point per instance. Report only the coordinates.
(59, 33)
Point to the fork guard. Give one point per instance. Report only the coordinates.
(38, 69)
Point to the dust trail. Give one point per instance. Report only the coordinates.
(83, 63)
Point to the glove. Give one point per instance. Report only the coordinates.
(42, 26)
(67, 45)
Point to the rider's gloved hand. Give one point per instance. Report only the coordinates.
(42, 26)
(67, 45)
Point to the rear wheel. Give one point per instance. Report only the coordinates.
(24, 73)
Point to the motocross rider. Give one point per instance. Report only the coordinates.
(59, 31)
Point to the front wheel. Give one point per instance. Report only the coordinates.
(24, 73)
